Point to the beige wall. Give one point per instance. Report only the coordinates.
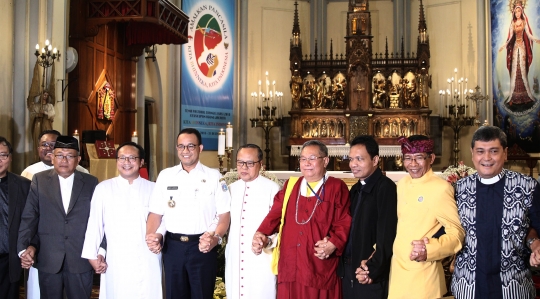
(6, 65)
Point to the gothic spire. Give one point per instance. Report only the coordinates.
(296, 23)
(422, 20)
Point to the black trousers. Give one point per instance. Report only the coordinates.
(8, 290)
(189, 273)
(76, 285)
(352, 289)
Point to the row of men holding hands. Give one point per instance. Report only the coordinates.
(377, 241)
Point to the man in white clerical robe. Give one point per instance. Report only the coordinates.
(119, 210)
(248, 275)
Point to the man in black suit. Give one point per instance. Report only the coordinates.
(13, 192)
(365, 264)
(56, 212)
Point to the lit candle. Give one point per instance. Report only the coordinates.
(54, 51)
(37, 47)
(267, 83)
(260, 101)
(46, 42)
(229, 135)
(76, 135)
(49, 48)
(221, 143)
(274, 87)
(134, 137)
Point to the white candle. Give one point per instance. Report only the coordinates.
(221, 143)
(229, 135)
(274, 87)
(76, 135)
(134, 137)
(260, 101)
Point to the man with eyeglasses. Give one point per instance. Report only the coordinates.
(193, 202)
(13, 192)
(498, 208)
(53, 225)
(252, 196)
(119, 210)
(365, 265)
(45, 147)
(425, 204)
(316, 226)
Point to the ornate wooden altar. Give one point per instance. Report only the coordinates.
(337, 97)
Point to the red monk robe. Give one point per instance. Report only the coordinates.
(300, 273)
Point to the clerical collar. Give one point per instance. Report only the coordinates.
(492, 180)
(363, 183)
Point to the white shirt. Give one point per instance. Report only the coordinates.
(120, 211)
(199, 196)
(66, 186)
(248, 275)
(29, 171)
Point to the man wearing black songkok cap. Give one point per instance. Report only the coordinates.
(53, 225)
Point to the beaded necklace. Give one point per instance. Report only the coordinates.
(319, 201)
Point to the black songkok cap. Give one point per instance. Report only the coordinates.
(67, 142)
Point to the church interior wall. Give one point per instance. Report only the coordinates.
(452, 28)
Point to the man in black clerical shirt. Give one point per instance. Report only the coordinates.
(13, 192)
(497, 207)
(365, 264)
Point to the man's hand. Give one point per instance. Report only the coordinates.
(259, 242)
(27, 257)
(207, 242)
(153, 241)
(362, 273)
(419, 251)
(99, 264)
(324, 248)
(535, 254)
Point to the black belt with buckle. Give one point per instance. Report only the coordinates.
(347, 260)
(183, 237)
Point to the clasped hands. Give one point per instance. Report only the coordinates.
(323, 248)
(419, 250)
(153, 241)
(207, 242)
(99, 264)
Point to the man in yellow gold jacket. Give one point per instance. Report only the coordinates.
(425, 205)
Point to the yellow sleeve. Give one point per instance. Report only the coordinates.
(445, 211)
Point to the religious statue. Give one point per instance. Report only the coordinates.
(424, 84)
(308, 94)
(41, 114)
(296, 91)
(106, 103)
(379, 93)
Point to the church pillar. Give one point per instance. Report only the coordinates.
(482, 58)
(242, 112)
(7, 48)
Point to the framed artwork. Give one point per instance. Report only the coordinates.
(515, 54)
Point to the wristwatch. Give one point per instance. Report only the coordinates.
(220, 239)
(530, 241)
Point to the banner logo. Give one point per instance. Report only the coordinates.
(209, 48)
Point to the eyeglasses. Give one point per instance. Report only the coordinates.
(190, 147)
(249, 164)
(130, 159)
(310, 159)
(417, 159)
(4, 156)
(62, 157)
(48, 144)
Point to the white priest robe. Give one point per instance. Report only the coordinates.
(120, 210)
(248, 275)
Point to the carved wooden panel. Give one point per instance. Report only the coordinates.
(359, 125)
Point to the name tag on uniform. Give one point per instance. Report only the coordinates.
(172, 187)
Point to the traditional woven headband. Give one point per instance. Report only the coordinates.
(415, 147)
